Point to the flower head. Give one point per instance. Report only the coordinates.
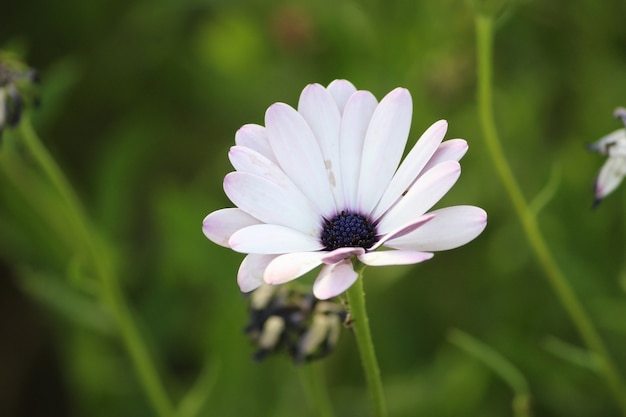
(613, 171)
(16, 89)
(323, 185)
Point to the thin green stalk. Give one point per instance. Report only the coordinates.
(358, 313)
(37, 197)
(498, 364)
(98, 255)
(312, 377)
(196, 397)
(565, 293)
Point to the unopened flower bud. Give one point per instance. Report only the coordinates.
(283, 319)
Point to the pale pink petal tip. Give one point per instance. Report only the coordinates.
(250, 274)
(341, 91)
(220, 225)
(334, 280)
(450, 228)
(610, 176)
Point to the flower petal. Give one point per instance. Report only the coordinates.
(412, 165)
(341, 91)
(271, 203)
(248, 160)
(384, 143)
(354, 123)
(319, 109)
(450, 228)
(299, 155)
(450, 150)
(394, 257)
(334, 279)
(339, 254)
(610, 177)
(290, 266)
(272, 239)
(426, 191)
(612, 144)
(620, 113)
(221, 224)
(255, 137)
(403, 230)
(250, 275)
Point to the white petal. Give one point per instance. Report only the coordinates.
(250, 275)
(339, 254)
(394, 257)
(248, 160)
(221, 224)
(403, 230)
(450, 150)
(317, 106)
(299, 155)
(341, 91)
(620, 113)
(270, 202)
(290, 266)
(426, 191)
(610, 177)
(334, 280)
(356, 119)
(384, 143)
(272, 239)
(451, 227)
(255, 137)
(412, 165)
(612, 144)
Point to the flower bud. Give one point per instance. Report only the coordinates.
(17, 90)
(286, 320)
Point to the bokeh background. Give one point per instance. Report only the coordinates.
(140, 102)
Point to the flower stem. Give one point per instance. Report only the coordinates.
(560, 284)
(312, 376)
(96, 253)
(358, 313)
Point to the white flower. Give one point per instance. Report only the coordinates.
(613, 171)
(323, 184)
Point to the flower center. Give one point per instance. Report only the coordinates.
(348, 230)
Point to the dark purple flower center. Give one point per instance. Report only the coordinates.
(348, 230)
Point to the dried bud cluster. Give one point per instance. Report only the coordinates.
(285, 320)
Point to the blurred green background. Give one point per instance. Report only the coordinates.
(140, 102)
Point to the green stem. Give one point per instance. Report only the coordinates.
(312, 376)
(500, 365)
(565, 293)
(96, 252)
(195, 399)
(358, 313)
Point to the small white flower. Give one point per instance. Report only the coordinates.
(323, 184)
(613, 171)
